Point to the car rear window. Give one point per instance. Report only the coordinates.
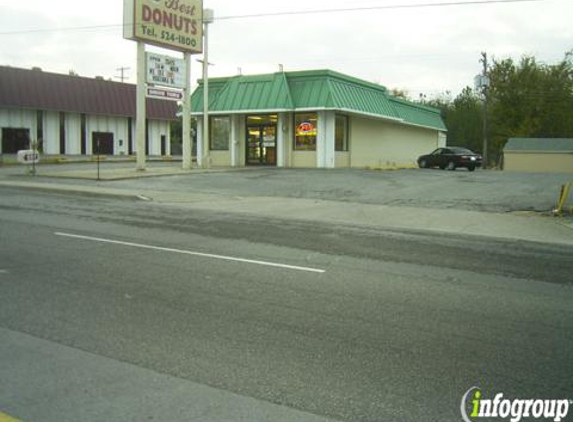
(462, 151)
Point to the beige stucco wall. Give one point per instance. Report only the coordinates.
(241, 133)
(342, 160)
(384, 144)
(539, 162)
(220, 158)
(303, 159)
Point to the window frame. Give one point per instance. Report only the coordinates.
(212, 145)
(346, 133)
(297, 123)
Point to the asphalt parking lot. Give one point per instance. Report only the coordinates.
(483, 190)
(491, 191)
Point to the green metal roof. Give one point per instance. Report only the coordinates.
(539, 144)
(362, 98)
(262, 92)
(308, 90)
(418, 114)
(215, 87)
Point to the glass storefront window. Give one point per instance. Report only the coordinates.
(341, 133)
(220, 128)
(305, 131)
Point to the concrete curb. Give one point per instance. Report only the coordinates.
(470, 223)
(500, 226)
(75, 175)
(72, 190)
(11, 160)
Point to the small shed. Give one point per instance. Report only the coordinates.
(544, 155)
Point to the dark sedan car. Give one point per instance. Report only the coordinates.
(451, 158)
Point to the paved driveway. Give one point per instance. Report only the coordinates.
(485, 190)
(493, 191)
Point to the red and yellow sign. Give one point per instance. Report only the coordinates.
(306, 129)
(173, 24)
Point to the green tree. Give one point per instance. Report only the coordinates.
(177, 134)
(399, 93)
(463, 117)
(465, 121)
(530, 99)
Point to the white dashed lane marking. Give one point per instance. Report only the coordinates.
(187, 252)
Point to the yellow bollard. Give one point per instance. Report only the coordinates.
(6, 418)
(563, 198)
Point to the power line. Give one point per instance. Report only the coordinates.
(293, 13)
(389, 7)
(63, 29)
(122, 71)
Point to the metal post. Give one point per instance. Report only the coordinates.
(208, 18)
(141, 107)
(186, 137)
(485, 88)
(97, 146)
(34, 152)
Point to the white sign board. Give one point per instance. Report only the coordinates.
(28, 156)
(165, 71)
(164, 94)
(172, 24)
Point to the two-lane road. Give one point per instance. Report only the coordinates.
(347, 323)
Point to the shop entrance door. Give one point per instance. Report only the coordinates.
(262, 145)
(102, 143)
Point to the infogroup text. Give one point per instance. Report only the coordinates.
(513, 410)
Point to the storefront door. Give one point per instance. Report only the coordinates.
(102, 143)
(262, 145)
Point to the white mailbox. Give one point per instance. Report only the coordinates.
(28, 156)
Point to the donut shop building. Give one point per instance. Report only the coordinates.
(313, 119)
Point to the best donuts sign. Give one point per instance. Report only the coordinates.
(172, 24)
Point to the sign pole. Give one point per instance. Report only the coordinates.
(208, 18)
(97, 146)
(186, 138)
(141, 107)
(175, 25)
(35, 149)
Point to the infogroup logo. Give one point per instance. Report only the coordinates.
(512, 410)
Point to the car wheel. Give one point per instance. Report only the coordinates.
(451, 166)
(423, 164)
(471, 168)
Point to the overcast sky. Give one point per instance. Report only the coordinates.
(429, 50)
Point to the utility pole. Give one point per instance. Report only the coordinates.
(186, 138)
(484, 85)
(204, 159)
(122, 76)
(141, 104)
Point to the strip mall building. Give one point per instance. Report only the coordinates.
(72, 115)
(320, 119)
